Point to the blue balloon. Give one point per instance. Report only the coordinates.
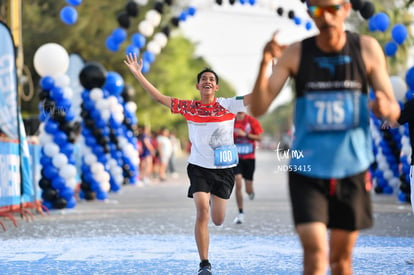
(409, 78)
(138, 40)
(68, 15)
(148, 56)
(372, 27)
(390, 48)
(191, 10)
(47, 204)
(399, 33)
(67, 193)
(63, 103)
(402, 197)
(182, 16)
(51, 127)
(58, 183)
(56, 93)
(67, 149)
(47, 83)
(45, 161)
(60, 138)
(111, 44)
(119, 35)
(409, 95)
(114, 83)
(308, 25)
(145, 66)
(382, 21)
(74, 2)
(70, 115)
(132, 49)
(252, 2)
(50, 172)
(101, 195)
(71, 203)
(388, 190)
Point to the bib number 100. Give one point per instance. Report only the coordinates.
(225, 155)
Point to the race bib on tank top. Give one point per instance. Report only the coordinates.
(332, 110)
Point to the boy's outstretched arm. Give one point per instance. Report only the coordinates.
(135, 66)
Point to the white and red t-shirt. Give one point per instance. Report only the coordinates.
(210, 129)
(246, 146)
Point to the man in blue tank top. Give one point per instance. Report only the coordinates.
(333, 71)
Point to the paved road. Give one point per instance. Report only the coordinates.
(149, 230)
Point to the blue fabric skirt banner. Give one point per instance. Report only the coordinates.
(11, 124)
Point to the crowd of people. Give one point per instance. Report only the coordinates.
(157, 151)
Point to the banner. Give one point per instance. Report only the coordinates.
(11, 122)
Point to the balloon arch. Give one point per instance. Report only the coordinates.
(97, 116)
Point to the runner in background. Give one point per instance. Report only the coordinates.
(247, 131)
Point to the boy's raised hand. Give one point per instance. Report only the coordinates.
(134, 65)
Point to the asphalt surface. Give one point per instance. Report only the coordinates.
(149, 230)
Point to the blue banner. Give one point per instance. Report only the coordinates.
(11, 122)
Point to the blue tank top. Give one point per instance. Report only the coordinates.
(331, 117)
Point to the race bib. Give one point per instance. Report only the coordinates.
(244, 148)
(225, 155)
(332, 111)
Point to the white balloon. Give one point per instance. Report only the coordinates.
(97, 168)
(68, 93)
(399, 86)
(105, 114)
(51, 149)
(96, 94)
(112, 102)
(68, 171)
(90, 159)
(105, 186)
(101, 104)
(154, 47)
(51, 59)
(45, 138)
(71, 183)
(388, 175)
(161, 39)
(131, 106)
(60, 160)
(146, 28)
(62, 80)
(141, 2)
(153, 17)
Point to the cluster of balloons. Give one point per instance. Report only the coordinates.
(381, 22)
(146, 29)
(69, 14)
(365, 8)
(296, 19)
(111, 153)
(385, 172)
(392, 149)
(57, 130)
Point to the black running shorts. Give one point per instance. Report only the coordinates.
(246, 168)
(338, 203)
(218, 182)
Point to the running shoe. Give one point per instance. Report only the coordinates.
(205, 270)
(251, 196)
(410, 261)
(239, 219)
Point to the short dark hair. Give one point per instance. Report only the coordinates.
(207, 70)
